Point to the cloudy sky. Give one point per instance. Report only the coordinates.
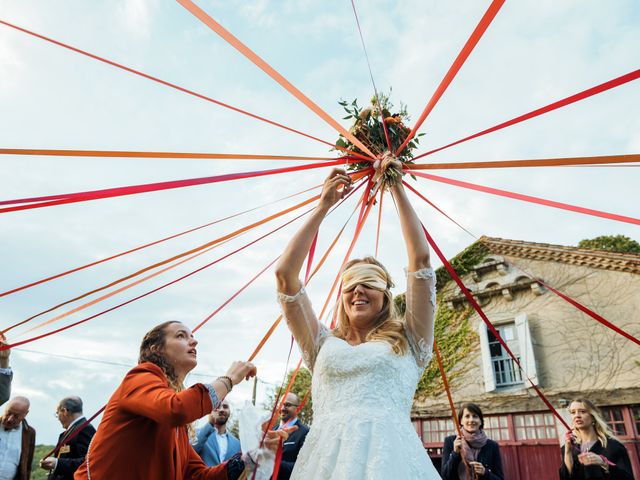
(534, 53)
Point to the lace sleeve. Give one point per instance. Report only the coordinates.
(420, 314)
(304, 325)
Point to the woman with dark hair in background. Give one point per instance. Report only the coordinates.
(473, 455)
(144, 433)
(593, 453)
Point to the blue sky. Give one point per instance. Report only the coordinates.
(533, 54)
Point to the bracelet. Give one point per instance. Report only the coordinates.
(224, 379)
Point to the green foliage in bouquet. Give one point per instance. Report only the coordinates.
(368, 128)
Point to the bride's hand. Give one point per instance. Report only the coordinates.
(331, 191)
(386, 163)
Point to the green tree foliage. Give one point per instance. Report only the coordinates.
(301, 385)
(40, 451)
(611, 243)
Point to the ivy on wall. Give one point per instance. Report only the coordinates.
(454, 334)
(462, 263)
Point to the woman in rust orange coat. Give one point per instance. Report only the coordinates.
(144, 433)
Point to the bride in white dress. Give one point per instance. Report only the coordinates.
(366, 370)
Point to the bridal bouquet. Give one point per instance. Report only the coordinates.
(368, 127)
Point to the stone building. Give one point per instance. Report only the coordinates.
(565, 352)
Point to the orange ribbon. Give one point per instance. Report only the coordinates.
(543, 162)
(269, 70)
(136, 154)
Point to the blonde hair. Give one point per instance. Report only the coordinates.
(603, 432)
(389, 327)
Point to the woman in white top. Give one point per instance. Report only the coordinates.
(366, 370)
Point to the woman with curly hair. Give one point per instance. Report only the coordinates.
(591, 451)
(144, 433)
(365, 371)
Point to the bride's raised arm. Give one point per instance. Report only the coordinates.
(296, 307)
(420, 296)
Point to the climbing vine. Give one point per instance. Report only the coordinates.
(462, 263)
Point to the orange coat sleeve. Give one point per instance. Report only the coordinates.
(146, 392)
(197, 470)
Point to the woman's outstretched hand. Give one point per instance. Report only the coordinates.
(331, 191)
(239, 371)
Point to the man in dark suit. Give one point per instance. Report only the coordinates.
(17, 440)
(215, 443)
(293, 444)
(71, 448)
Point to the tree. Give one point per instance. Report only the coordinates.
(611, 243)
(301, 385)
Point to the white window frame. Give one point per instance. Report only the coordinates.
(527, 356)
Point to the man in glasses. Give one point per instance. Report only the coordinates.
(291, 447)
(73, 446)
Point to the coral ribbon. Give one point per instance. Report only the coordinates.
(468, 47)
(269, 70)
(529, 198)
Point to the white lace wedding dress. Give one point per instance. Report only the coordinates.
(362, 395)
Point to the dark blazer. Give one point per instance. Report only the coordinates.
(69, 461)
(26, 452)
(290, 450)
(489, 456)
(615, 452)
(5, 386)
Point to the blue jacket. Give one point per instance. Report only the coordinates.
(207, 446)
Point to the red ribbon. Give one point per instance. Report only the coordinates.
(232, 297)
(568, 299)
(616, 82)
(468, 47)
(141, 247)
(312, 251)
(52, 200)
(589, 312)
(168, 84)
(528, 198)
(436, 207)
(74, 434)
(490, 326)
(44, 335)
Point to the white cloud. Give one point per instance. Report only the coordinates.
(136, 16)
